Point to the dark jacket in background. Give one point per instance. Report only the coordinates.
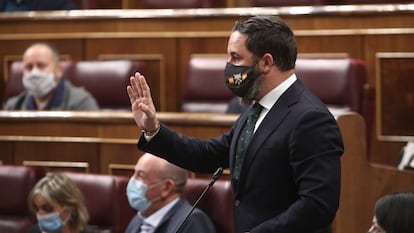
(42, 5)
(198, 222)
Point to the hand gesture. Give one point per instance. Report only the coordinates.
(142, 106)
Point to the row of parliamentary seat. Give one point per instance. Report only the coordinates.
(109, 211)
(179, 4)
(106, 80)
(341, 83)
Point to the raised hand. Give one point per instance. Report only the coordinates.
(142, 106)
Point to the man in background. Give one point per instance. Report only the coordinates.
(45, 87)
(36, 5)
(154, 191)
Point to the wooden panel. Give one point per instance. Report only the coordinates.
(57, 151)
(363, 182)
(395, 41)
(96, 138)
(6, 155)
(121, 169)
(331, 44)
(395, 96)
(120, 154)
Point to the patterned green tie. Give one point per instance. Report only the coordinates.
(244, 139)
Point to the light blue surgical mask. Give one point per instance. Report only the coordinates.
(51, 223)
(137, 194)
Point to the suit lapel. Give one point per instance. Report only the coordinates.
(137, 223)
(270, 123)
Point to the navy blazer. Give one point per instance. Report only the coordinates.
(198, 222)
(291, 173)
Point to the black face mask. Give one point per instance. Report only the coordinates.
(239, 79)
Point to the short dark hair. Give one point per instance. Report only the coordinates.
(395, 211)
(269, 34)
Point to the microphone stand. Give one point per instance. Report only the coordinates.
(215, 177)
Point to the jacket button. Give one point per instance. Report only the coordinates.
(236, 202)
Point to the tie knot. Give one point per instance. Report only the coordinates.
(256, 109)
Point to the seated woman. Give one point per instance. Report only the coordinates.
(58, 205)
(394, 214)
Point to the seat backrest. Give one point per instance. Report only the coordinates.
(16, 182)
(371, 1)
(176, 4)
(205, 90)
(106, 80)
(338, 82)
(106, 201)
(217, 202)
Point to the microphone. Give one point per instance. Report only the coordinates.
(215, 177)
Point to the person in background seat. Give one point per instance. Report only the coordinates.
(36, 5)
(45, 86)
(394, 213)
(154, 191)
(58, 204)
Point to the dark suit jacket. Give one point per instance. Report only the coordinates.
(43, 5)
(198, 222)
(291, 173)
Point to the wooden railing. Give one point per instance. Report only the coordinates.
(105, 142)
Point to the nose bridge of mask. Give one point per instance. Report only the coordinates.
(45, 216)
(36, 72)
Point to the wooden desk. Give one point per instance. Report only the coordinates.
(106, 142)
(96, 142)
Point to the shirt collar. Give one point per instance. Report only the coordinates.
(271, 98)
(155, 218)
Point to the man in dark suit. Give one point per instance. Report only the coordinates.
(288, 177)
(154, 191)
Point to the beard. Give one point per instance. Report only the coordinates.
(253, 91)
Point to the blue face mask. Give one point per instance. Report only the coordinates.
(50, 223)
(137, 192)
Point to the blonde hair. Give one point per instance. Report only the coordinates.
(57, 187)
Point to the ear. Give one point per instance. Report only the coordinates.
(168, 188)
(58, 71)
(268, 62)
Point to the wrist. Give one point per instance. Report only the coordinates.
(151, 132)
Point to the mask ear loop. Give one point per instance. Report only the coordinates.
(68, 217)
